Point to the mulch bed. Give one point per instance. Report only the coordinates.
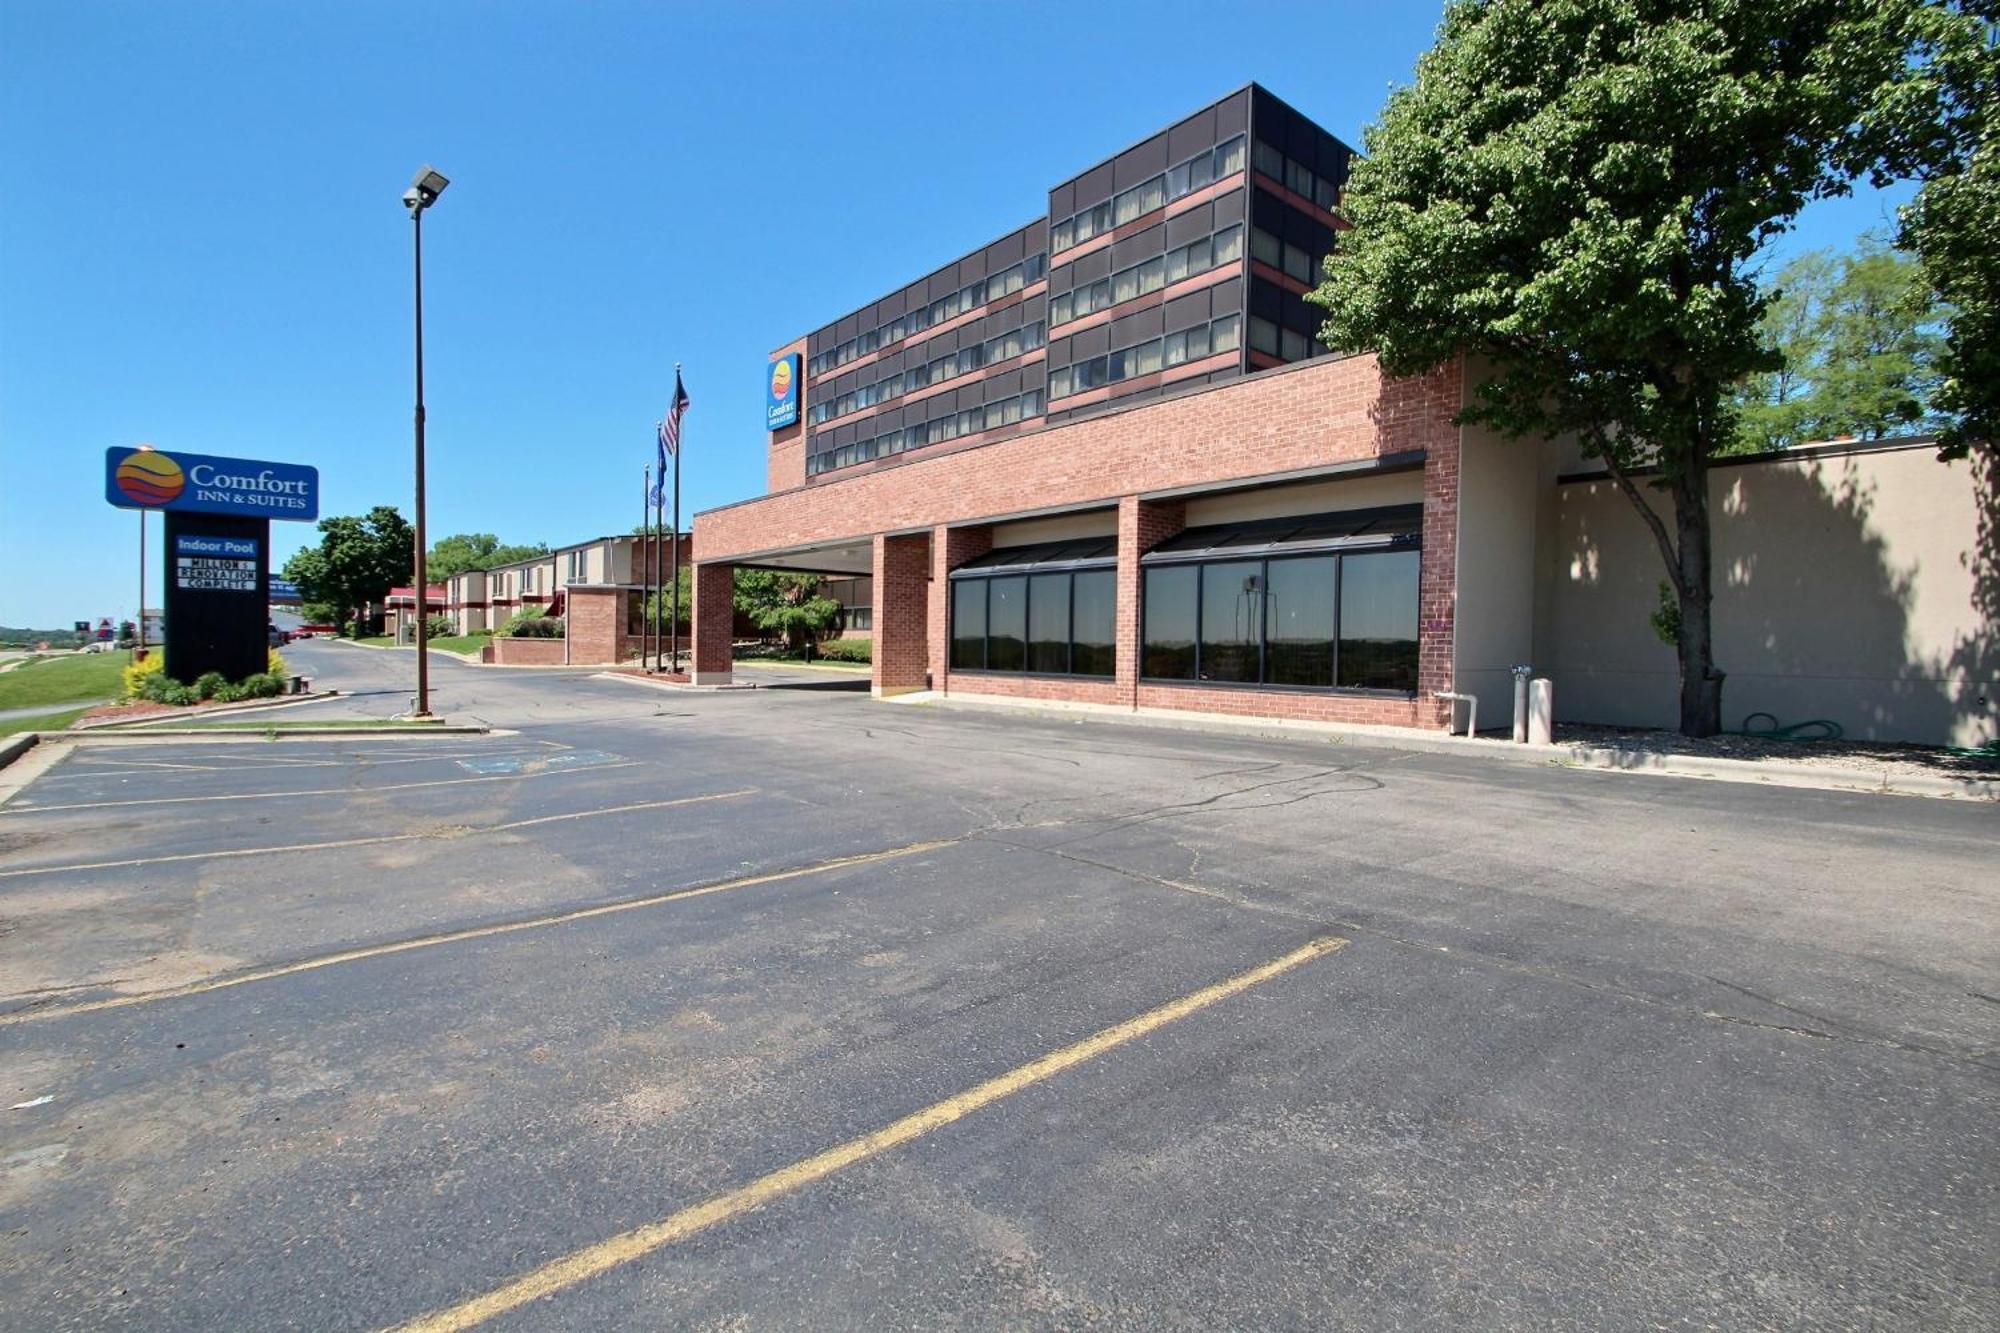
(1936, 761)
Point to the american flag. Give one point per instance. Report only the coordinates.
(670, 428)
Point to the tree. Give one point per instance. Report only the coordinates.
(1774, 405)
(780, 602)
(1936, 121)
(454, 555)
(1573, 190)
(357, 561)
(1858, 341)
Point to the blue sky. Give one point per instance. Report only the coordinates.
(201, 244)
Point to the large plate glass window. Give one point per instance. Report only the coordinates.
(1048, 609)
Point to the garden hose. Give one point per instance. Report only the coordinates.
(1801, 733)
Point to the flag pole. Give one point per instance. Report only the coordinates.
(676, 594)
(645, 520)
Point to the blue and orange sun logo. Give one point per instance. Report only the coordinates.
(149, 477)
(781, 380)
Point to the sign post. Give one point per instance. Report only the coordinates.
(218, 548)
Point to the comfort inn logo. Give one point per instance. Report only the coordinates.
(150, 478)
(781, 380)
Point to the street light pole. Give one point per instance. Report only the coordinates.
(423, 192)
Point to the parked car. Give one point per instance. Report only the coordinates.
(278, 637)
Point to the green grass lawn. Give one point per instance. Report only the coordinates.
(77, 679)
(45, 722)
(798, 659)
(379, 641)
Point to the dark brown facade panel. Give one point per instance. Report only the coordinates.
(1192, 135)
(1095, 186)
(1184, 312)
(1091, 267)
(1140, 245)
(1091, 342)
(1138, 326)
(1232, 115)
(1007, 251)
(1190, 226)
(1062, 200)
(1140, 163)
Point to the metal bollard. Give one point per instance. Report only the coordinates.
(1521, 674)
(1542, 712)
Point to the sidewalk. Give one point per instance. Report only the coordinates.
(1879, 778)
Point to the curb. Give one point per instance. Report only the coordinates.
(15, 746)
(114, 737)
(652, 684)
(1577, 755)
(221, 710)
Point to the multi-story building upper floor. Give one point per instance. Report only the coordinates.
(1183, 260)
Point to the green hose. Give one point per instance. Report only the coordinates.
(1800, 733)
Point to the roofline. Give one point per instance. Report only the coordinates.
(1817, 449)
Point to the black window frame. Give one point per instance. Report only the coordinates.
(1341, 551)
(1029, 571)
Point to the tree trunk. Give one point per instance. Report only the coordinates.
(1701, 682)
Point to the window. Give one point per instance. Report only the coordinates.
(1378, 621)
(1048, 623)
(1298, 621)
(974, 294)
(1006, 623)
(1232, 608)
(968, 625)
(1266, 248)
(1296, 177)
(1051, 621)
(1294, 614)
(1093, 622)
(1186, 261)
(1147, 357)
(1170, 601)
(1203, 169)
(1263, 336)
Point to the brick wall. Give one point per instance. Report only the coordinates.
(1142, 525)
(901, 655)
(950, 548)
(1327, 410)
(714, 617)
(596, 623)
(525, 652)
(785, 467)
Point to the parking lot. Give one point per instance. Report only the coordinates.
(783, 1008)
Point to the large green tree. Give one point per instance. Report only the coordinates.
(1939, 122)
(1858, 341)
(464, 551)
(780, 602)
(1573, 191)
(358, 559)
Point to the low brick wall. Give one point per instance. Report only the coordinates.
(504, 651)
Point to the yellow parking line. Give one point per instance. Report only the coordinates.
(372, 841)
(592, 1260)
(316, 791)
(470, 933)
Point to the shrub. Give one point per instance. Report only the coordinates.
(275, 665)
(533, 623)
(846, 650)
(138, 673)
(439, 627)
(208, 682)
(483, 632)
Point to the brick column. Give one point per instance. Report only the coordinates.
(950, 548)
(902, 614)
(1142, 525)
(1437, 592)
(714, 598)
(596, 620)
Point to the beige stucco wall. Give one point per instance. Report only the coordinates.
(1499, 481)
(1057, 527)
(1852, 587)
(1366, 491)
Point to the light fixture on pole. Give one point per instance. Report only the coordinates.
(423, 192)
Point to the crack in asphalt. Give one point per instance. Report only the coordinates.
(1976, 1059)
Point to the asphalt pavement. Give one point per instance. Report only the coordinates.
(781, 1008)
